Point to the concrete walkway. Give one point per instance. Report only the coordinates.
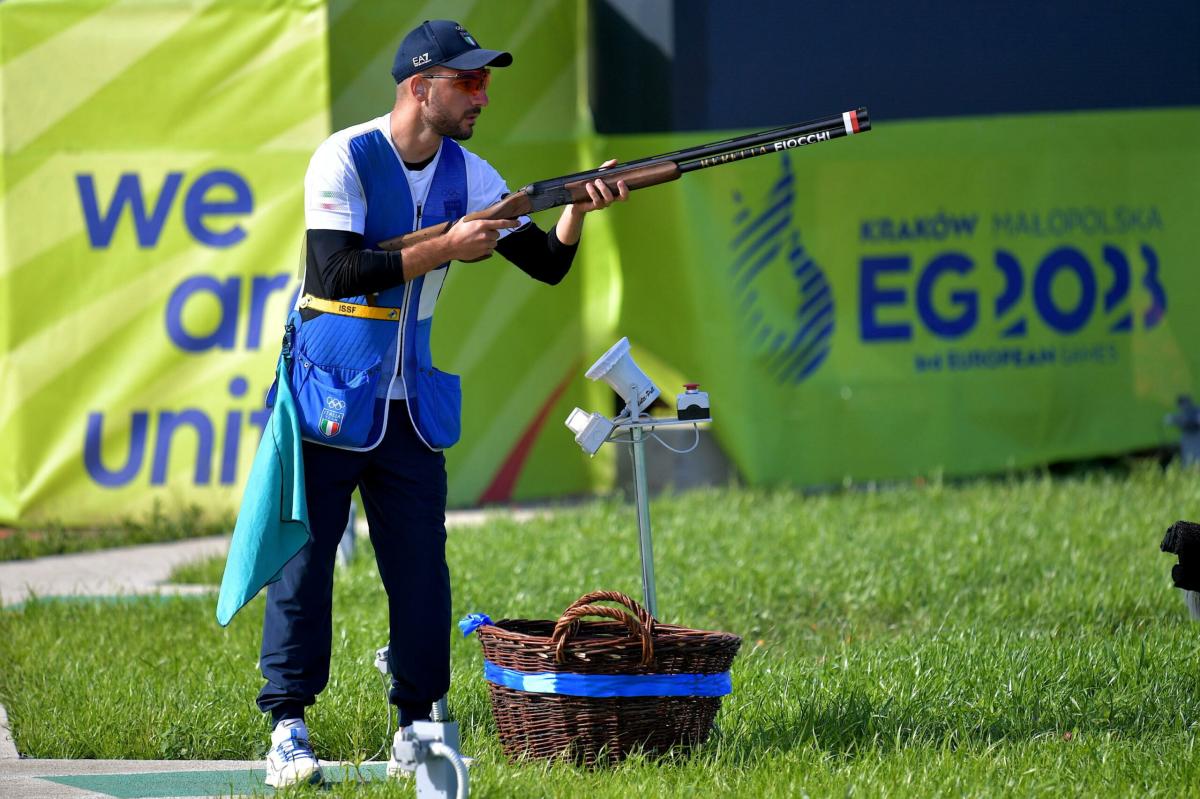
(73, 779)
(144, 569)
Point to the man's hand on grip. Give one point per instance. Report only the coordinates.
(476, 239)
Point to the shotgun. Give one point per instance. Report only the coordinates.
(650, 171)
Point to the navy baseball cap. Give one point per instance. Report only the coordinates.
(443, 42)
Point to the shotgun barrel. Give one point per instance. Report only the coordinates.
(653, 170)
(650, 171)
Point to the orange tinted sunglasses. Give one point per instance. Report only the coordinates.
(472, 82)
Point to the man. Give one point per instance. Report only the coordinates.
(374, 411)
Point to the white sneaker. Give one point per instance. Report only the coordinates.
(291, 760)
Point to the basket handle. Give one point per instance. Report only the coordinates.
(639, 626)
(615, 596)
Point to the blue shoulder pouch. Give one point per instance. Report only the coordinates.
(336, 404)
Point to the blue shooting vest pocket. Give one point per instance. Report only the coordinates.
(336, 404)
(437, 404)
(438, 412)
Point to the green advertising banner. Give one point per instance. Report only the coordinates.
(957, 296)
(151, 208)
(152, 211)
(152, 215)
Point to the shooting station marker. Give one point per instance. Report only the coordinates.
(127, 779)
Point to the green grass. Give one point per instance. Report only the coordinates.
(1016, 637)
(158, 524)
(206, 571)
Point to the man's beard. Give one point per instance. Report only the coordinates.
(445, 125)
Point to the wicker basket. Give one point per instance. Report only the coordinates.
(595, 730)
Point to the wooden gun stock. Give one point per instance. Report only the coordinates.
(635, 177)
(511, 207)
(520, 203)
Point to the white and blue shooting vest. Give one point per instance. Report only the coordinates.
(342, 367)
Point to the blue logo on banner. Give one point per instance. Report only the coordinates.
(767, 241)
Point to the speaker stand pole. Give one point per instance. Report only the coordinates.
(641, 496)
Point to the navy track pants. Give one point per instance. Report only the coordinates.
(403, 488)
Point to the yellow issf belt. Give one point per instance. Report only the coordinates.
(350, 309)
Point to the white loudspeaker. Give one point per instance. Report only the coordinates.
(617, 368)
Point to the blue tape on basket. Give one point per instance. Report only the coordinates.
(608, 685)
(472, 622)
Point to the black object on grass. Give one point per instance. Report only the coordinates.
(1183, 539)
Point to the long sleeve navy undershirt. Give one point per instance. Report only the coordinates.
(339, 265)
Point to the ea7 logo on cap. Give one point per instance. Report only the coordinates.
(466, 36)
(423, 58)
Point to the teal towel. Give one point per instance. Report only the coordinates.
(272, 524)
